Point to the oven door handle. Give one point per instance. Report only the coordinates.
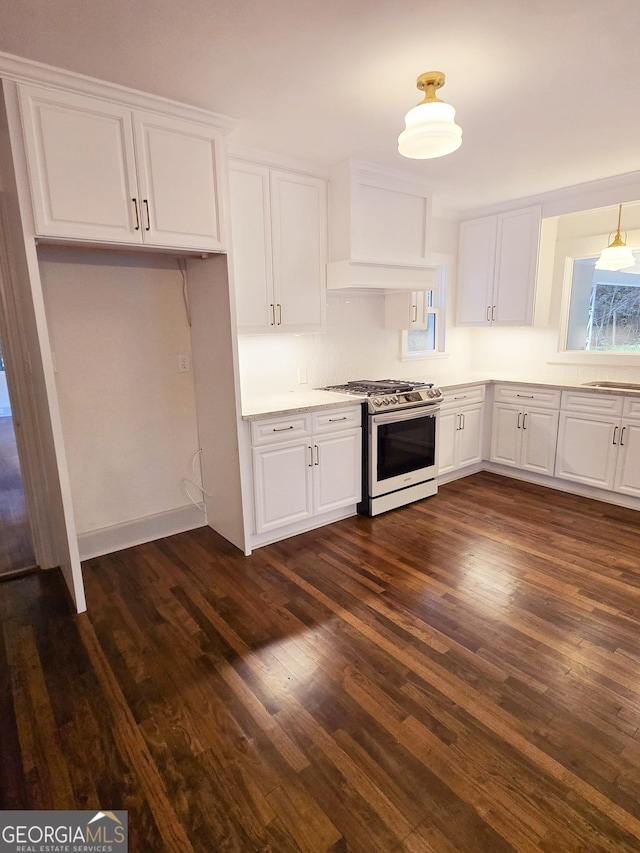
(406, 415)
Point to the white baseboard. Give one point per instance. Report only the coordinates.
(94, 543)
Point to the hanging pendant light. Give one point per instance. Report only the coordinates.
(617, 255)
(430, 127)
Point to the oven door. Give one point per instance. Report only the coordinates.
(402, 449)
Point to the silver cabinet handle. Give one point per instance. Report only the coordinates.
(317, 462)
(282, 429)
(310, 457)
(135, 204)
(493, 313)
(519, 416)
(272, 308)
(528, 396)
(457, 423)
(622, 436)
(414, 317)
(333, 420)
(524, 420)
(462, 420)
(615, 430)
(461, 397)
(146, 207)
(279, 307)
(488, 313)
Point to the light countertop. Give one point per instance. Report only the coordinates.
(273, 405)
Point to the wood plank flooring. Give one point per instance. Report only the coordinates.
(459, 675)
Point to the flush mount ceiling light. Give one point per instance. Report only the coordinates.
(430, 127)
(617, 255)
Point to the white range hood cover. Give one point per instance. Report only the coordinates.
(367, 276)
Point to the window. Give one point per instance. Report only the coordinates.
(428, 342)
(604, 310)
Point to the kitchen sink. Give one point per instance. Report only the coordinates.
(614, 386)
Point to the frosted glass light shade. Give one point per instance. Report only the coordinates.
(615, 258)
(430, 131)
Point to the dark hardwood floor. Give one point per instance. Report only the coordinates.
(459, 675)
(16, 550)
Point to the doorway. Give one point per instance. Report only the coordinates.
(16, 546)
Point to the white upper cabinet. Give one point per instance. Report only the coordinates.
(177, 179)
(102, 172)
(497, 268)
(406, 310)
(279, 237)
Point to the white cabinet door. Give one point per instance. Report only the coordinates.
(278, 224)
(337, 480)
(476, 266)
(299, 229)
(506, 434)
(539, 433)
(498, 259)
(469, 437)
(628, 468)
(251, 246)
(406, 310)
(516, 262)
(81, 160)
(177, 167)
(282, 484)
(586, 451)
(446, 431)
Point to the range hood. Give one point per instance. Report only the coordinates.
(361, 275)
(379, 229)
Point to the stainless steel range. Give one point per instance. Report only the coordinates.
(399, 441)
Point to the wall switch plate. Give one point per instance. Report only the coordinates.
(184, 363)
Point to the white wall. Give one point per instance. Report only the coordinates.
(533, 352)
(117, 324)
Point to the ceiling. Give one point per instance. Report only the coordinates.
(546, 92)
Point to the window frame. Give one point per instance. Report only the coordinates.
(590, 357)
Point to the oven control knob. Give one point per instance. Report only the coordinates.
(431, 393)
(376, 402)
(386, 401)
(393, 400)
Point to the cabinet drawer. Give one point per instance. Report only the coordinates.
(466, 396)
(631, 407)
(527, 395)
(591, 403)
(279, 429)
(331, 420)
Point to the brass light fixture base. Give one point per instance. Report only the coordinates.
(429, 83)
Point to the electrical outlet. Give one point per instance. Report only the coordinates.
(184, 363)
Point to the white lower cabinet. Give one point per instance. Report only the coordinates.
(525, 428)
(305, 466)
(599, 441)
(460, 429)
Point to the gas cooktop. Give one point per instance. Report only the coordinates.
(388, 394)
